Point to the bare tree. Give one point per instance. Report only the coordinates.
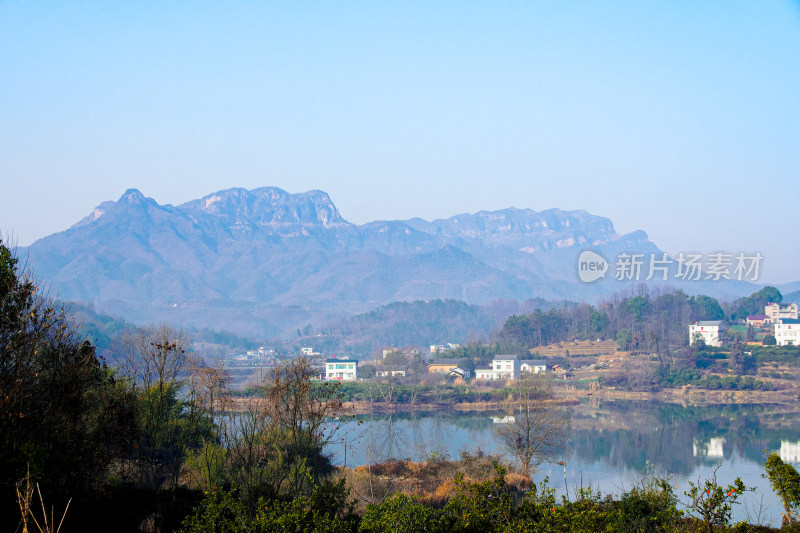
(209, 398)
(299, 406)
(154, 356)
(250, 454)
(388, 387)
(439, 392)
(536, 425)
(156, 362)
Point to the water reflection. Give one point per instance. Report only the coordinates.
(610, 443)
(679, 439)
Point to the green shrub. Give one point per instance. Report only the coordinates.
(645, 509)
(325, 511)
(482, 506)
(403, 514)
(785, 481)
(712, 503)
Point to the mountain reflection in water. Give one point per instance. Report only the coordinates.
(611, 444)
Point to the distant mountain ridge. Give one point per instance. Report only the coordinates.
(247, 256)
(268, 206)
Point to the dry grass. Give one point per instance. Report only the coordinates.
(25, 500)
(431, 481)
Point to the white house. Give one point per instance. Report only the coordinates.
(787, 332)
(461, 372)
(710, 330)
(503, 367)
(534, 366)
(438, 348)
(507, 366)
(486, 374)
(390, 371)
(341, 369)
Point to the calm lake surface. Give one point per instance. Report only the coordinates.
(611, 445)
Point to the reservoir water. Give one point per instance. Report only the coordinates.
(610, 445)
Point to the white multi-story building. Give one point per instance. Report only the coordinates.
(710, 330)
(438, 348)
(503, 367)
(778, 311)
(787, 332)
(507, 366)
(341, 369)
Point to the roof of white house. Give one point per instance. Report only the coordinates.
(535, 362)
(710, 323)
(504, 357)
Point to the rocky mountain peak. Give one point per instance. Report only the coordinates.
(131, 196)
(269, 205)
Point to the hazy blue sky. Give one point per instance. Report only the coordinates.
(678, 118)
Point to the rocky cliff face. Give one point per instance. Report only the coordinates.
(265, 247)
(267, 206)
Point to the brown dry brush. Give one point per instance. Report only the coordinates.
(431, 481)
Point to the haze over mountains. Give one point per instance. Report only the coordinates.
(264, 260)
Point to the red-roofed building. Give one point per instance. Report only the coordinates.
(758, 320)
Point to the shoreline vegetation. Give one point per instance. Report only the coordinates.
(478, 493)
(683, 396)
(687, 396)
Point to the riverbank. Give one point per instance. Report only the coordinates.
(682, 396)
(693, 396)
(687, 395)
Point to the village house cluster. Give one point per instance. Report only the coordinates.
(779, 319)
(503, 367)
(782, 318)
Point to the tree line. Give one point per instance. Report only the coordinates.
(134, 445)
(641, 319)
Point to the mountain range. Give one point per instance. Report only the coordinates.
(264, 261)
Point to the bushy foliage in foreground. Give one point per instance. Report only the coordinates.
(325, 510)
(473, 506)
